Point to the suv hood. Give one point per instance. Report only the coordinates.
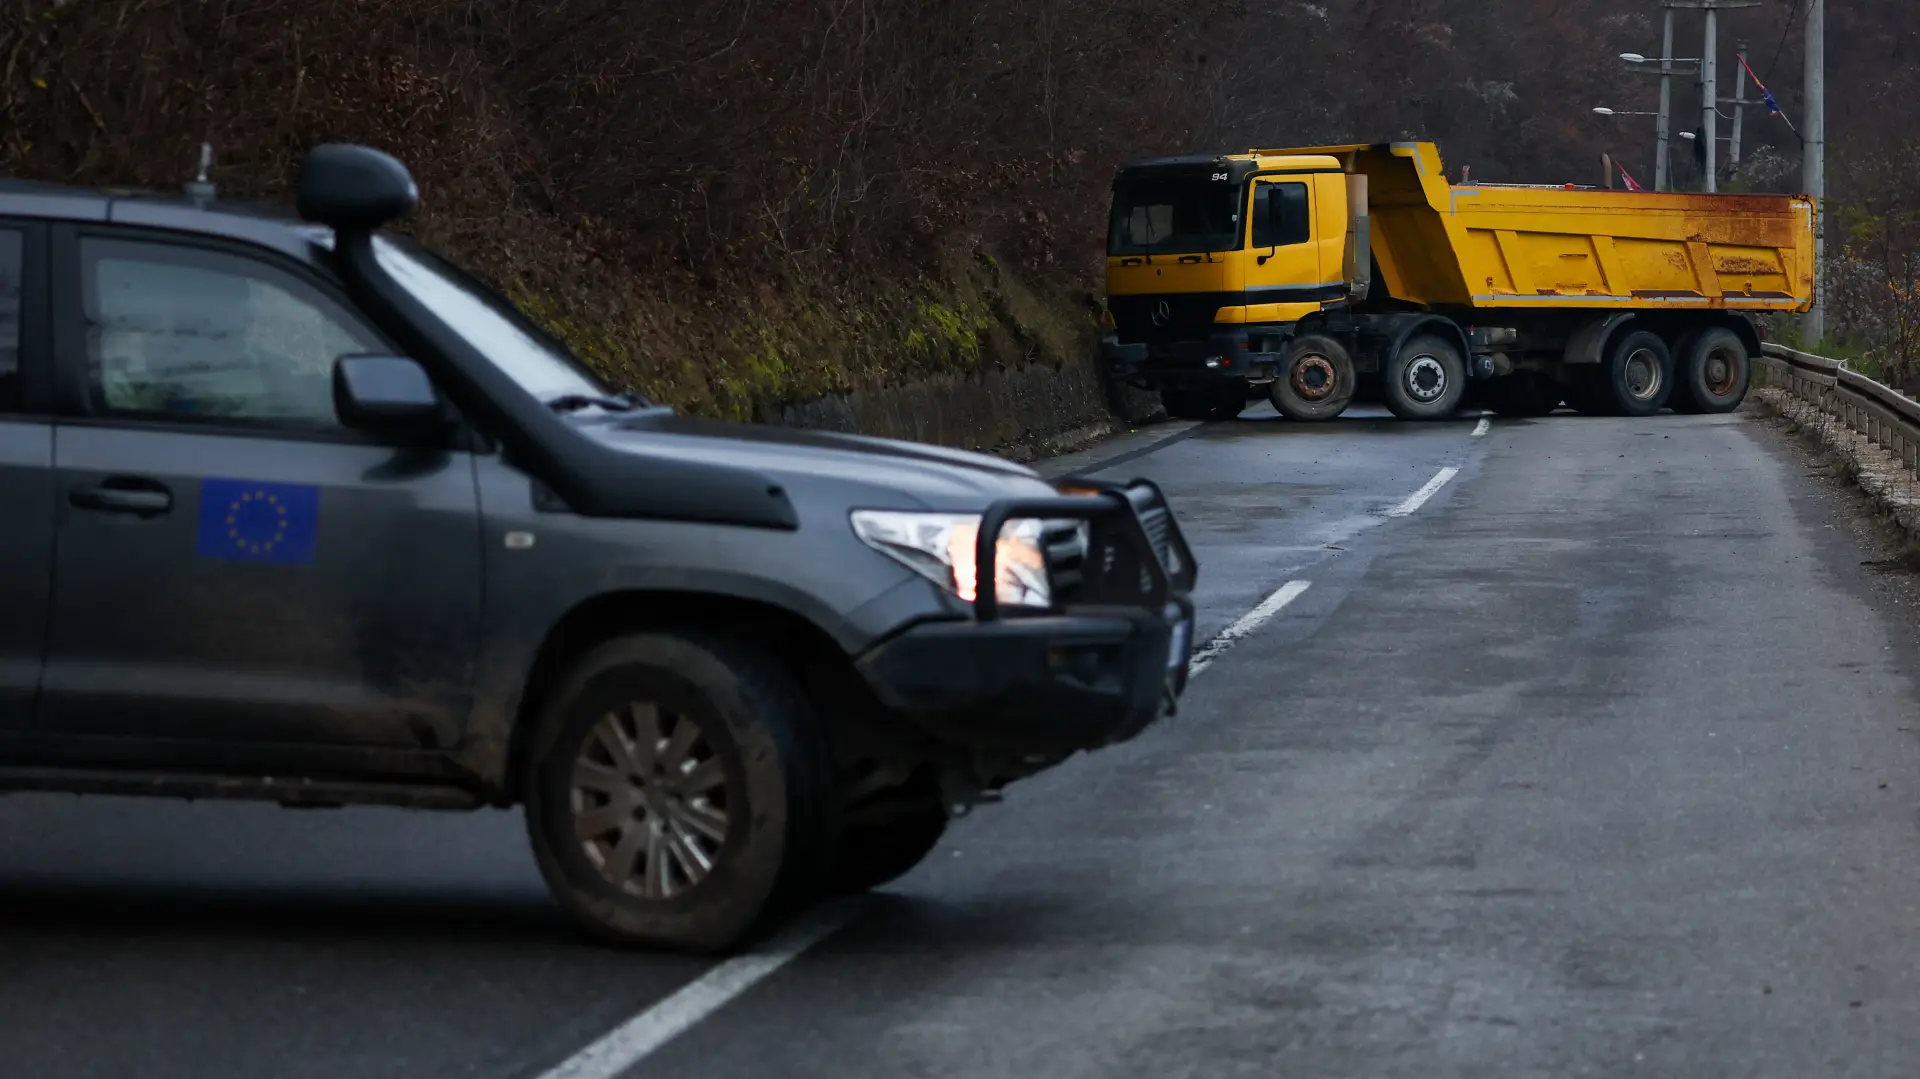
(943, 478)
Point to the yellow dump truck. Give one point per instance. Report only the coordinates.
(1310, 274)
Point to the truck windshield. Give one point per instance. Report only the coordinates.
(532, 357)
(1174, 218)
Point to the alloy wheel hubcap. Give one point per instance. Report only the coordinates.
(649, 801)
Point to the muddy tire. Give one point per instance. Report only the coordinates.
(1427, 379)
(679, 794)
(1316, 382)
(1524, 393)
(1713, 373)
(1639, 374)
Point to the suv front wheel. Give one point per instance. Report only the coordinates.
(678, 793)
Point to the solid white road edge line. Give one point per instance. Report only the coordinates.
(637, 1038)
(1252, 620)
(1419, 498)
(1480, 429)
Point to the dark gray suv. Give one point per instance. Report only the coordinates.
(296, 510)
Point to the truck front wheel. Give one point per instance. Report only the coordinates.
(1426, 380)
(1713, 374)
(678, 793)
(1317, 381)
(1639, 374)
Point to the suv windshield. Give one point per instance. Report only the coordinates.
(532, 357)
(1174, 217)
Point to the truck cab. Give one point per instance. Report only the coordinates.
(1212, 265)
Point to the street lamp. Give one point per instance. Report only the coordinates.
(1636, 58)
(1616, 112)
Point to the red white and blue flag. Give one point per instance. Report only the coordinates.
(1773, 106)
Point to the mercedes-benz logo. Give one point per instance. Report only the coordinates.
(1162, 313)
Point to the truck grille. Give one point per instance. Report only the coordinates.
(1189, 315)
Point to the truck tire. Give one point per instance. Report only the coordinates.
(1713, 373)
(1524, 393)
(679, 793)
(1427, 379)
(1316, 382)
(872, 855)
(1639, 374)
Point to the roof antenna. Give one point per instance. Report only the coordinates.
(201, 190)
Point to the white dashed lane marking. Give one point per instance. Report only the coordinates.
(1419, 498)
(1248, 623)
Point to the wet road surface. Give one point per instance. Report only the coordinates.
(1597, 761)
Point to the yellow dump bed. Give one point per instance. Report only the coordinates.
(1502, 246)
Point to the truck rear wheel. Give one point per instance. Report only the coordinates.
(1426, 380)
(1316, 382)
(678, 793)
(1640, 374)
(1713, 373)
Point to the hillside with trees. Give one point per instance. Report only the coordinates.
(734, 205)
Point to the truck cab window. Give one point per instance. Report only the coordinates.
(1281, 217)
(1174, 217)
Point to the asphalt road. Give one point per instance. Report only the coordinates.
(1599, 761)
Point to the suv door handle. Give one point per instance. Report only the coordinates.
(141, 498)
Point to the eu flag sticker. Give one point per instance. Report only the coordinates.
(245, 521)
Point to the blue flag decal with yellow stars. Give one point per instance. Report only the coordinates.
(245, 521)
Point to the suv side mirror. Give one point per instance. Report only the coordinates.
(386, 395)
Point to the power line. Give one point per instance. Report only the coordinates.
(1792, 14)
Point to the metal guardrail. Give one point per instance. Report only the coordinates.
(1889, 418)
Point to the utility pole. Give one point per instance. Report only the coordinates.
(1710, 98)
(1739, 110)
(1663, 164)
(1815, 161)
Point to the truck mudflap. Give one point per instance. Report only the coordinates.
(1106, 661)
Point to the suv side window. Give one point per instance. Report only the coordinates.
(187, 334)
(11, 261)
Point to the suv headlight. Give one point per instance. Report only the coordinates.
(941, 547)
